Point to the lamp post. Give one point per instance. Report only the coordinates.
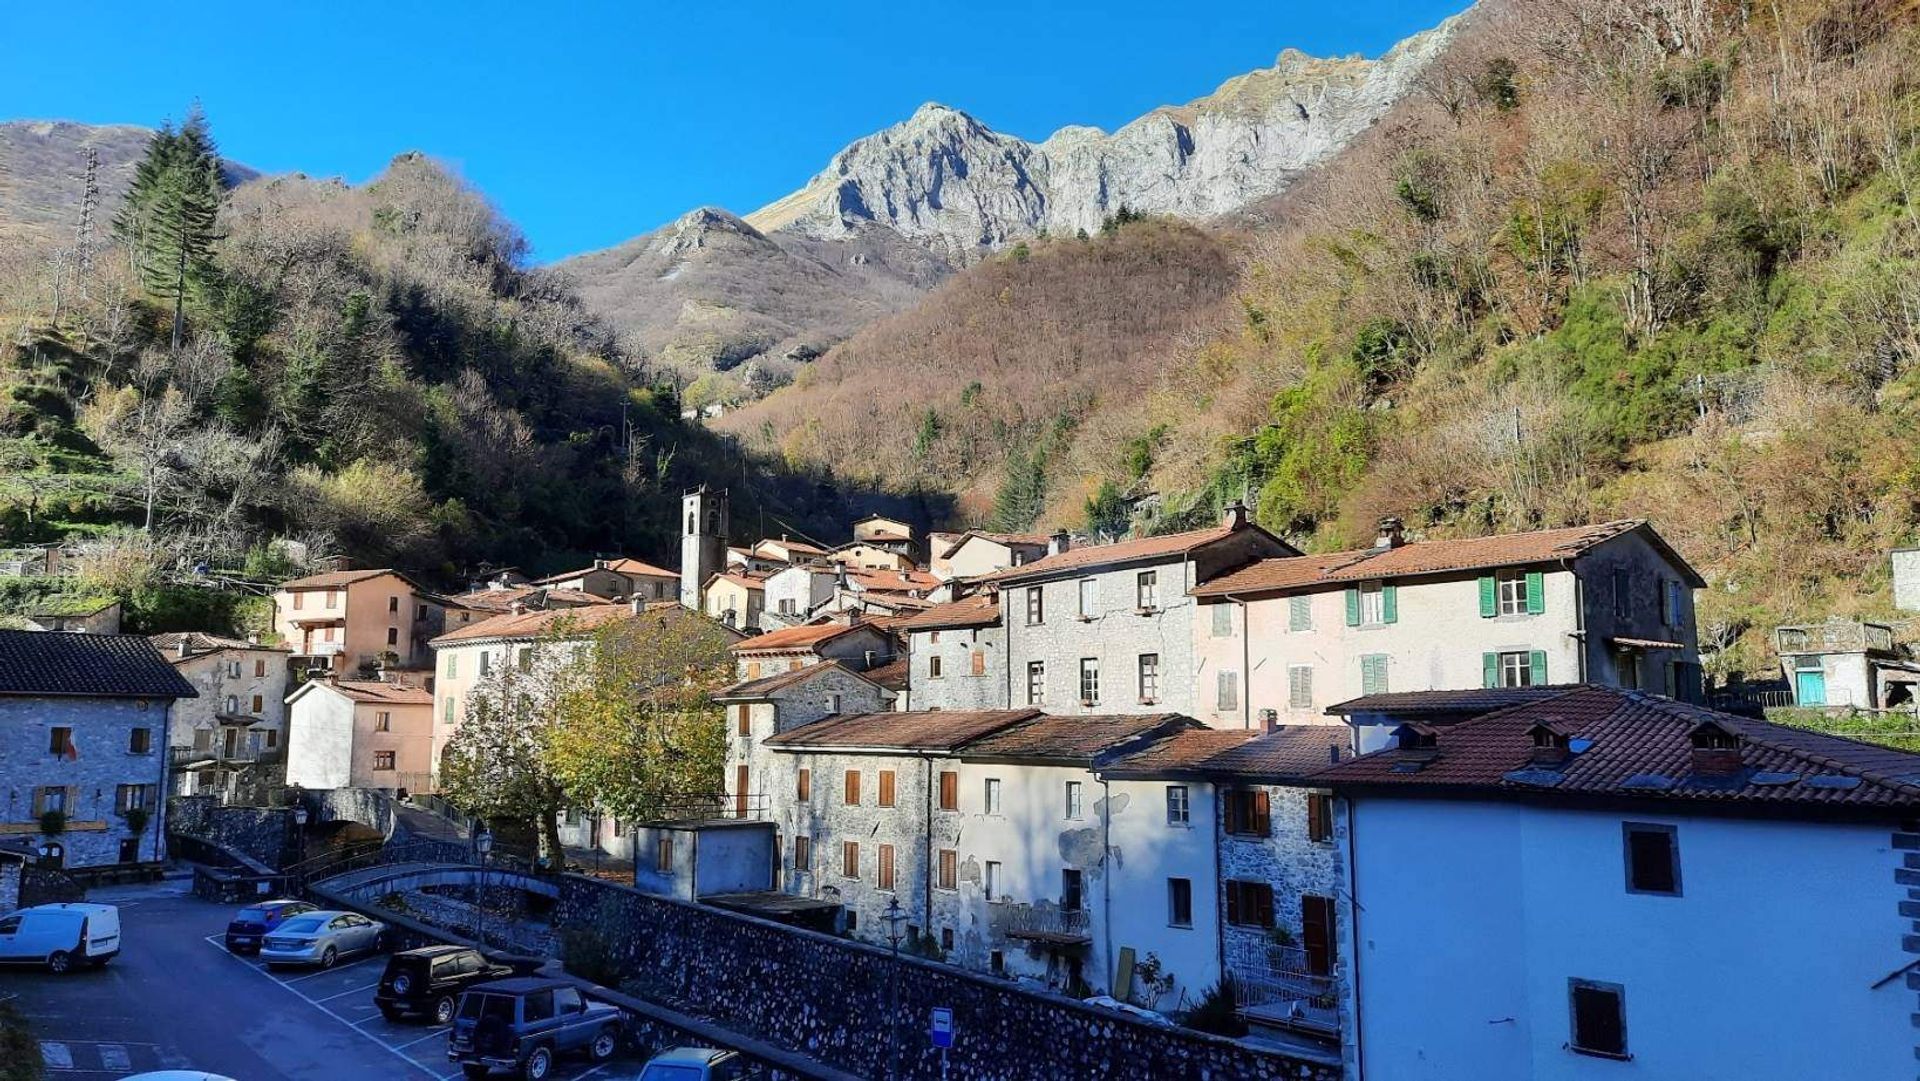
(300, 830)
(483, 843)
(894, 916)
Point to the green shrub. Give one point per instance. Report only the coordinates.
(1218, 1012)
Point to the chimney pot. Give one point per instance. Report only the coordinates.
(599, 564)
(518, 607)
(185, 648)
(637, 604)
(1269, 720)
(1059, 542)
(1392, 534)
(1234, 516)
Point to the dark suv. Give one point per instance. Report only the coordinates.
(427, 982)
(522, 1024)
(251, 923)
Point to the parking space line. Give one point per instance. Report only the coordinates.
(350, 991)
(316, 1004)
(442, 1031)
(334, 971)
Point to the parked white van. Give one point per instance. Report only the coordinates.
(60, 936)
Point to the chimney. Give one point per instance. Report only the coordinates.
(638, 604)
(1716, 751)
(1058, 543)
(185, 648)
(517, 607)
(872, 657)
(1552, 744)
(1234, 516)
(1269, 720)
(1390, 535)
(253, 639)
(599, 564)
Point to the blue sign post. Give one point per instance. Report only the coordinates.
(942, 1030)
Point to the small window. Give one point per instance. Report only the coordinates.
(977, 662)
(1516, 669)
(453, 665)
(663, 856)
(233, 669)
(60, 741)
(1599, 1018)
(383, 760)
(1675, 605)
(1179, 902)
(1072, 890)
(1299, 686)
(992, 795)
(393, 636)
(949, 870)
(743, 719)
(1622, 595)
(990, 885)
(1653, 859)
(1319, 817)
(232, 704)
(259, 668)
(946, 939)
(997, 962)
(852, 793)
(803, 785)
(949, 791)
(1373, 673)
(1036, 683)
(1513, 592)
(1179, 805)
(1300, 613)
(933, 666)
(140, 741)
(383, 721)
(1089, 597)
(1073, 799)
(1089, 681)
(1249, 904)
(393, 604)
(850, 859)
(259, 705)
(1149, 677)
(1373, 607)
(1222, 620)
(1248, 812)
(1036, 607)
(802, 853)
(1147, 590)
(886, 788)
(883, 868)
(1226, 690)
(833, 704)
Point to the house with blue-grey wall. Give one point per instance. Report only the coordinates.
(83, 738)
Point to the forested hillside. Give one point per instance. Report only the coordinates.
(372, 371)
(1634, 257)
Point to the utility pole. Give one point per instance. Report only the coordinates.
(89, 209)
(895, 916)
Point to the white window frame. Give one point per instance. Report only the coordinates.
(1089, 594)
(1090, 681)
(1075, 802)
(1179, 805)
(1146, 590)
(1516, 668)
(1036, 683)
(1373, 603)
(1148, 667)
(1036, 606)
(990, 881)
(1511, 590)
(990, 796)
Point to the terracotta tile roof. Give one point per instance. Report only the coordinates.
(1077, 739)
(367, 690)
(571, 621)
(1431, 557)
(1462, 703)
(36, 663)
(892, 676)
(501, 600)
(894, 581)
(929, 730)
(1288, 753)
(794, 546)
(767, 686)
(979, 610)
(635, 566)
(746, 581)
(1095, 555)
(201, 643)
(804, 636)
(1182, 753)
(337, 579)
(1640, 746)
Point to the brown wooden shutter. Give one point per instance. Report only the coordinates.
(803, 785)
(1263, 898)
(850, 859)
(1233, 902)
(949, 869)
(1233, 810)
(742, 719)
(949, 791)
(853, 787)
(1319, 816)
(1316, 933)
(1262, 823)
(979, 662)
(886, 788)
(883, 876)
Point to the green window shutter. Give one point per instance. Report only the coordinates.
(1389, 604)
(1489, 669)
(1538, 662)
(1489, 601)
(1353, 607)
(1536, 593)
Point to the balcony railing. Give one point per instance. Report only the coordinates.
(1287, 992)
(1049, 924)
(239, 756)
(1835, 637)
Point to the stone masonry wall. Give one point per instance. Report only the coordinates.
(102, 760)
(1285, 858)
(266, 834)
(9, 885)
(831, 997)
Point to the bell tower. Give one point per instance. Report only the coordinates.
(703, 541)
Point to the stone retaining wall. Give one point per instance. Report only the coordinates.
(266, 834)
(830, 996)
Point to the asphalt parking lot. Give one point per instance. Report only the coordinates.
(176, 999)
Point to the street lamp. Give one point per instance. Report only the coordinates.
(300, 829)
(483, 843)
(894, 916)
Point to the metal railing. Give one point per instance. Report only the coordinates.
(1286, 991)
(1029, 920)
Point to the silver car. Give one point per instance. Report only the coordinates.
(321, 938)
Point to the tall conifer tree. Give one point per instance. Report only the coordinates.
(168, 219)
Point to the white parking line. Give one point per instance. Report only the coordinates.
(334, 971)
(316, 1004)
(441, 1031)
(351, 991)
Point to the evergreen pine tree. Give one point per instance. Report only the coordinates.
(168, 219)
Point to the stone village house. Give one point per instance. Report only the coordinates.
(83, 732)
(240, 717)
(360, 733)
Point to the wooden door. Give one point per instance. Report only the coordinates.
(740, 791)
(1316, 933)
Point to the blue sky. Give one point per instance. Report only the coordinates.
(591, 122)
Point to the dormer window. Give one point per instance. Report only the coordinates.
(1416, 737)
(1716, 750)
(1552, 743)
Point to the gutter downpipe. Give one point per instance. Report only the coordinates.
(1106, 878)
(1579, 622)
(1353, 920)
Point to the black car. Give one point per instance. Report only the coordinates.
(523, 1024)
(251, 923)
(427, 982)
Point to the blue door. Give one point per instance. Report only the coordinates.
(1810, 688)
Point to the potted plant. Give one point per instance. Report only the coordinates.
(53, 823)
(136, 819)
